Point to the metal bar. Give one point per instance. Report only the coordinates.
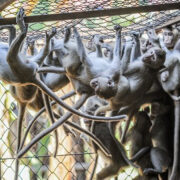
(94, 13)
(48, 156)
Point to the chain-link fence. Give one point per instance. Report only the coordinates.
(75, 158)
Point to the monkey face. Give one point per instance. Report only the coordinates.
(91, 105)
(146, 44)
(104, 87)
(168, 38)
(154, 58)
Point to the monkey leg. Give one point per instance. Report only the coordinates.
(120, 147)
(48, 91)
(176, 162)
(51, 117)
(40, 57)
(126, 128)
(67, 34)
(160, 161)
(21, 114)
(111, 170)
(39, 113)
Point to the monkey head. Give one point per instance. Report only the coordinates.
(152, 35)
(170, 37)
(91, 105)
(105, 86)
(145, 45)
(154, 58)
(90, 46)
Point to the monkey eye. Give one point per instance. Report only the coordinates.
(153, 58)
(109, 83)
(96, 106)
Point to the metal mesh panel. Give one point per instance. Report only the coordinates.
(39, 7)
(74, 157)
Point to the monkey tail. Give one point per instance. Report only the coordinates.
(94, 168)
(47, 106)
(176, 139)
(151, 171)
(140, 153)
(39, 113)
(48, 91)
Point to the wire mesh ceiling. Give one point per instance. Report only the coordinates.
(96, 25)
(39, 7)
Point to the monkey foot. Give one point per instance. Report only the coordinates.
(135, 34)
(20, 20)
(76, 34)
(98, 40)
(117, 27)
(51, 34)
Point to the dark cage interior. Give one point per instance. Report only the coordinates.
(69, 153)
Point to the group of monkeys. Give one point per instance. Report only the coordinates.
(118, 80)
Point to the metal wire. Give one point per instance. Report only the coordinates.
(75, 158)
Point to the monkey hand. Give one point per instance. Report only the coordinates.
(67, 30)
(117, 27)
(118, 30)
(135, 35)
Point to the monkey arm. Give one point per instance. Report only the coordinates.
(39, 58)
(117, 48)
(126, 58)
(98, 40)
(81, 50)
(109, 48)
(24, 47)
(67, 34)
(136, 50)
